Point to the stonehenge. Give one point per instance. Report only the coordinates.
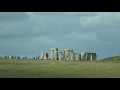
(67, 54)
(63, 54)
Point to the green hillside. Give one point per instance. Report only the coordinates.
(113, 58)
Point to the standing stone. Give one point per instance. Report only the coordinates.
(88, 56)
(66, 51)
(76, 56)
(56, 55)
(63, 54)
(72, 55)
(67, 55)
(60, 55)
(52, 55)
(83, 55)
(5, 56)
(9, 57)
(42, 55)
(38, 57)
(45, 56)
(91, 58)
(95, 56)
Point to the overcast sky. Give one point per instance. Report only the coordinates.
(30, 33)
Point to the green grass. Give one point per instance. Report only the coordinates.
(59, 69)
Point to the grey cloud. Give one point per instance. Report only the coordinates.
(56, 26)
(12, 16)
(15, 29)
(78, 14)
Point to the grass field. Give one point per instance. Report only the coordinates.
(108, 68)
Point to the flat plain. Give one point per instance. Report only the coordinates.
(15, 68)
